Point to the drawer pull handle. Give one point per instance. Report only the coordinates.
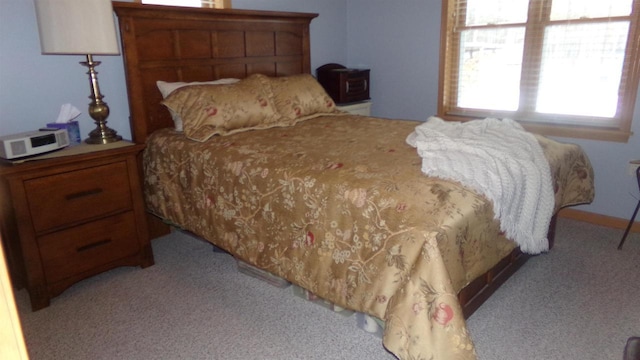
(93, 245)
(84, 193)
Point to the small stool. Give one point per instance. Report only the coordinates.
(635, 212)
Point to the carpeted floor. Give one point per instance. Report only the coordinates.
(581, 301)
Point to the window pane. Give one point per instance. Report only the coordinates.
(483, 12)
(581, 69)
(489, 68)
(576, 9)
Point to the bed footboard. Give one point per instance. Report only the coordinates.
(480, 289)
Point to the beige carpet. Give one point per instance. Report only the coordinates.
(579, 302)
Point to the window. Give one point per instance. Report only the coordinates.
(559, 67)
(218, 4)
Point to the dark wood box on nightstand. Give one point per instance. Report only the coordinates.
(67, 218)
(342, 84)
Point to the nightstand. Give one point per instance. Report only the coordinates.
(358, 108)
(66, 218)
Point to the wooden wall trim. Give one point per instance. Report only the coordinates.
(597, 219)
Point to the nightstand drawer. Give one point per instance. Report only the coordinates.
(75, 196)
(82, 248)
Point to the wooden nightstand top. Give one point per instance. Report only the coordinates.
(69, 155)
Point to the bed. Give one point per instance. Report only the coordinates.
(332, 202)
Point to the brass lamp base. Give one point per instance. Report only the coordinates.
(98, 109)
(97, 136)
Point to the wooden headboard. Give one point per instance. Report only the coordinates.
(197, 44)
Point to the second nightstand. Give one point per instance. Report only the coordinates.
(67, 218)
(358, 108)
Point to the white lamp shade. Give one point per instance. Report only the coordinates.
(76, 27)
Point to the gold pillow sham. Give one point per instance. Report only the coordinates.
(300, 97)
(208, 110)
(167, 88)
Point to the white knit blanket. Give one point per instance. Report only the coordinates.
(501, 161)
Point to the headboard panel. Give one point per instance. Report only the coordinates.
(197, 44)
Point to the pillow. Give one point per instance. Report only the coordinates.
(208, 110)
(301, 97)
(167, 88)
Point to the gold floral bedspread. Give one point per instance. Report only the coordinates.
(339, 206)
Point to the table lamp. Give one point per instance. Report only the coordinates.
(82, 27)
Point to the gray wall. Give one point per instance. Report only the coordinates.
(357, 33)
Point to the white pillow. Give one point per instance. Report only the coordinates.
(167, 88)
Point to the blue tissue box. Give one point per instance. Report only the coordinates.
(72, 128)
